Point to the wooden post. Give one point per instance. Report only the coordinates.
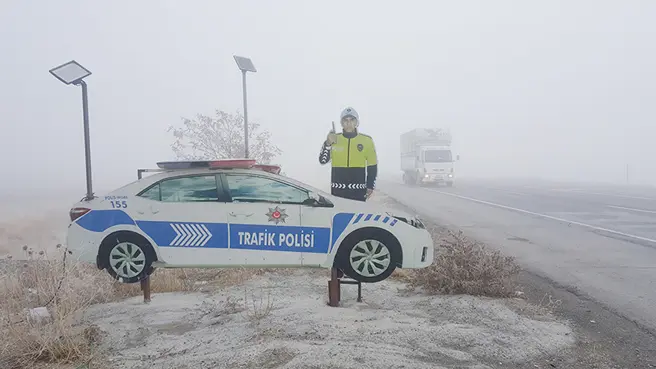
(145, 287)
(333, 289)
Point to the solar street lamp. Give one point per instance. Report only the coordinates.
(74, 73)
(245, 65)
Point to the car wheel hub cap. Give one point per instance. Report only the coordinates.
(127, 260)
(370, 258)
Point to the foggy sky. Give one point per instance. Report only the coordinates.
(555, 89)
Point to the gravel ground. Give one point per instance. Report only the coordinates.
(284, 322)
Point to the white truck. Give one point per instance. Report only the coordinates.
(426, 157)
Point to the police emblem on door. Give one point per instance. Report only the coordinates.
(277, 215)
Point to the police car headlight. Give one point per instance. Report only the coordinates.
(415, 222)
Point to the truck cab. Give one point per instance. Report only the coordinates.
(437, 164)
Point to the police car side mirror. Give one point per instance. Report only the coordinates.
(325, 202)
(314, 199)
(457, 157)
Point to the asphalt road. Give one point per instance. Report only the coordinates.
(598, 241)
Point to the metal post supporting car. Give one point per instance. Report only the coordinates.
(145, 287)
(335, 287)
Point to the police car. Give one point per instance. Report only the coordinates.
(237, 213)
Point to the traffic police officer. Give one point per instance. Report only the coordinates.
(353, 156)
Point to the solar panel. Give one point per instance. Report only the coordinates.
(245, 64)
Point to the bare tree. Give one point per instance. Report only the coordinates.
(221, 137)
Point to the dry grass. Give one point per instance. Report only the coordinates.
(545, 306)
(258, 308)
(464, 266)
(66, 289)
(461, 266)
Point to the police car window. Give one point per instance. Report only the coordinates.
(152, 193)
(189, 189)
(249, 188)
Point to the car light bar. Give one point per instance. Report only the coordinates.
(213, 164)
(275, 169)
(232, 163)
(183, 164)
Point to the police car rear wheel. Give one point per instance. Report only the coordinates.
(127, 257)
(369, 255)
(127, 260)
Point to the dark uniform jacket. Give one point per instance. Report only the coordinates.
(354, 165)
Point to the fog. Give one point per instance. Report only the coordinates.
(553, 89)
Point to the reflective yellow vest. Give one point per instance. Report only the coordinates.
(354, 164)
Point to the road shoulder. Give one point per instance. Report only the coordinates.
(604, 338)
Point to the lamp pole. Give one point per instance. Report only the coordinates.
(72, 73)
(243, 86)
(245, 65)
(87, 143)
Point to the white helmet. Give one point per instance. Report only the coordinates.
(349, 111)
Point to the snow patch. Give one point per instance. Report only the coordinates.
(390, 328)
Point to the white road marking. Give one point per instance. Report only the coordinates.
(546, 216)
(605, 194)
(509, 192)
(584, 191)
(632, 209)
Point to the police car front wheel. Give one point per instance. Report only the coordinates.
(369, 255)
(127, 257)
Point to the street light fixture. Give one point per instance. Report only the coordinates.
(74, 73)
(245, 65)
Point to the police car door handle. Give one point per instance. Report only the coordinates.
(233, 214)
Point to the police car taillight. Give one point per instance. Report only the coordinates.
(77, 212)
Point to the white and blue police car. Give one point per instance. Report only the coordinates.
(237, 213)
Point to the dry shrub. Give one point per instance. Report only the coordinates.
(547, 305)
(461, 266)
(66, 288)
(165, 280)
(258, 309)
(161, 281)
(231, 306)
(465, 266)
